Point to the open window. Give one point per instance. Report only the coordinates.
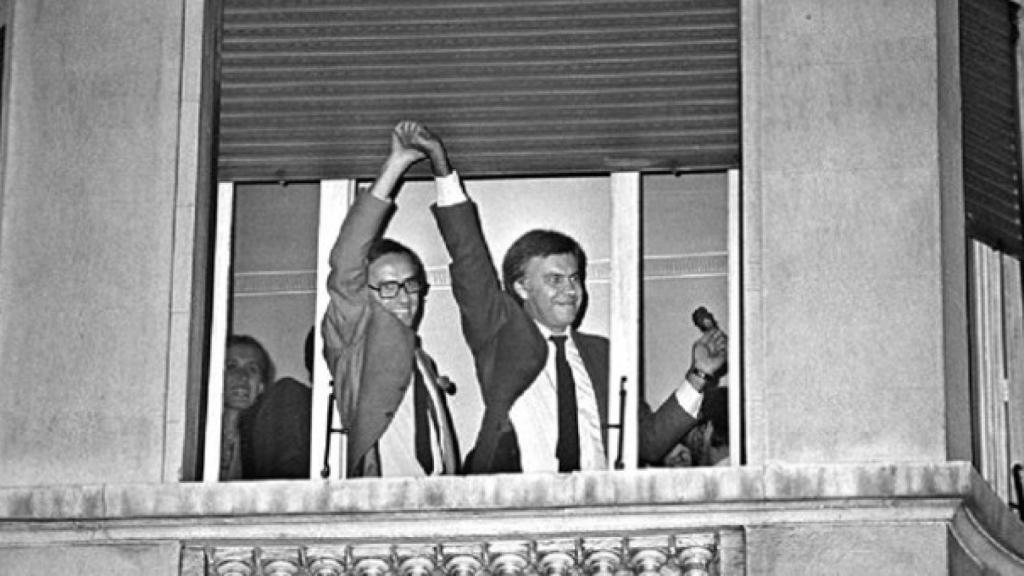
(605, 101)
(658, 247)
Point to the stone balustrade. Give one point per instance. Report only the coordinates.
(690, 554)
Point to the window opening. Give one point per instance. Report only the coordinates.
(638, 270)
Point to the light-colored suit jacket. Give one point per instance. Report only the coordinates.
(369, 350)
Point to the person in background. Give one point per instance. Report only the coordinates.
(710, 441)
(275, 430)
(707, 443)
(265, 427)
(389, 394)
(247, 369)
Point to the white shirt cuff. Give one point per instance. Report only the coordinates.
(689, 398)
(449, 190)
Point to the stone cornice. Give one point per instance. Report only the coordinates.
(584, 495)
(524, 493)
(503, 508)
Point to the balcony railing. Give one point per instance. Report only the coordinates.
(690, 554)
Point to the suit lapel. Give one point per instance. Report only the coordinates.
(385, 378)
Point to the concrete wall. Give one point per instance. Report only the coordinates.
(124, 559)
(86, 239)
(882, 550)
(844, 293)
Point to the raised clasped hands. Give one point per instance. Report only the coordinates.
(403, 148)
(411, 142)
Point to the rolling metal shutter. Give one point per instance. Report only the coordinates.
(988, 77)
(309, 89)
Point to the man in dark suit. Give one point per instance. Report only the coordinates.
(389, 395)
(544, 384)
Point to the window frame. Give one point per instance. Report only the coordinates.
(625, 319)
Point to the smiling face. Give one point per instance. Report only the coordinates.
(551, 290)
(244, 377)
(396, 267)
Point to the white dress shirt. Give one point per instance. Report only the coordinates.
(398, 443)
(534, 415)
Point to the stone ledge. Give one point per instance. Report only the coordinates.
(472, 509)
(521, 492)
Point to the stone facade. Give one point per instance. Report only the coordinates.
(855, 351)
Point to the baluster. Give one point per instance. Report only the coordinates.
(603, 557)
(648, 555)
(696, 553)
(326, 560)
(509, 558)
(462, 559)
(557, 558)
(233, 561)
(372, 560)
(418, 560)
(279, 561)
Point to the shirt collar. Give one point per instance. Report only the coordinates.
(547, 333)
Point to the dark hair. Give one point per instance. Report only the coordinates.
(308, 352)
(266, 364)
(384, 246)
(541, 243)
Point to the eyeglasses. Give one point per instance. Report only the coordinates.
(390, 288)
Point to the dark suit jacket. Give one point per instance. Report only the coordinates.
(369, 350)
(510, 352)
(274, 433)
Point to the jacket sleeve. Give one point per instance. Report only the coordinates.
(348, 310)
(662, 429)
(482, 303)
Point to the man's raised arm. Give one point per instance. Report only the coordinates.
(475, 283)
(348, 267)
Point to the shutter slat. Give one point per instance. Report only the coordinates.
(311, 88)
(991, 153)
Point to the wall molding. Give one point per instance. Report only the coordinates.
(266, 283)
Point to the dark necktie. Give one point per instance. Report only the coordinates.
(421, 407)
(568, 449)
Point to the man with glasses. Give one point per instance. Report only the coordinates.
(544, 384)
(389, 394)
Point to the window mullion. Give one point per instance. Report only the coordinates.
(735, 359)
(624, 320)
(218, 330)
(335, 198)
